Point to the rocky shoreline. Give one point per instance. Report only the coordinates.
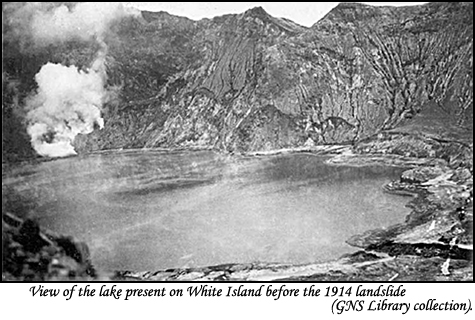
(435, 243)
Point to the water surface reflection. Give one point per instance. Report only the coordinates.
(150, 210)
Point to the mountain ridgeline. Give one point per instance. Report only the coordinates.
(250, 81)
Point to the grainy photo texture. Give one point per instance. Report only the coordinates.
(242, 142)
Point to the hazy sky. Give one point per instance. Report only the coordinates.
(304, 13)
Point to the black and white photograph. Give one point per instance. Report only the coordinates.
(237, 141)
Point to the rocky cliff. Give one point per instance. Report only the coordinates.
(255, 82)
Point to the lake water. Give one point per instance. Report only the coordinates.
(151, 210)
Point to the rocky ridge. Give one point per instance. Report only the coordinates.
(255, 82)
(250, 81)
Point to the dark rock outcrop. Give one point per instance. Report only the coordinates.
(30, 253)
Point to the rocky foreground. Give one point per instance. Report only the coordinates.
(33, 254)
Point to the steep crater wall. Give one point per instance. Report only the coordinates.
(255, 82)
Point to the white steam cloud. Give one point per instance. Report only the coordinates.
(68, 101)
(43, 23)
(84, 21)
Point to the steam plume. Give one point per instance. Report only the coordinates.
(84, 21)
(68, 101)
(40, 24)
